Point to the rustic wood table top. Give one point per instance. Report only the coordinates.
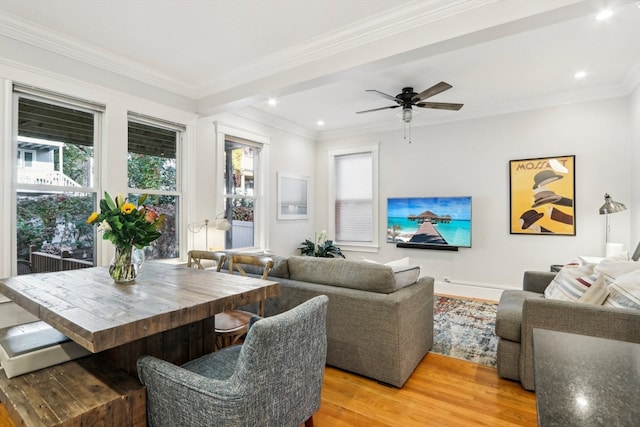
(88, 307)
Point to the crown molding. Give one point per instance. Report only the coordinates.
(47, 39)
(378, 27)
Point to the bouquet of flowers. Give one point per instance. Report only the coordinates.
(322, 247)
(126, 226)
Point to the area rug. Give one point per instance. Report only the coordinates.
(465, 329)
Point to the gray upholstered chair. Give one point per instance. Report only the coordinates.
(273, 379)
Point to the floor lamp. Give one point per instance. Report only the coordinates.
(611, 207)
(222, 224)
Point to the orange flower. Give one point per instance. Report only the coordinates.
(150, 215)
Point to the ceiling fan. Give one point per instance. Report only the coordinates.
(408, 99)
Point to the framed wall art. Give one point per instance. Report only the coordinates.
(292, 196)
(542, 196)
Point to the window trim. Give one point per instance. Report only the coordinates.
(374, 149)
(261, 211)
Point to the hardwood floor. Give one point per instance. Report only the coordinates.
(442, 391)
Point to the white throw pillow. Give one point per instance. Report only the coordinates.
(614, 269)
(402, 262)
(624, 292)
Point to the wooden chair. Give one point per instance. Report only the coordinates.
(195, 257)
(231, 325)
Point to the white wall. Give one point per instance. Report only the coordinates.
(634, 158)
(471, 158)
(287, 153)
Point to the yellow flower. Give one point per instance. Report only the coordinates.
(92, 218)
(127, 208)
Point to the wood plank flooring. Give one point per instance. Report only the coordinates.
(442, 391)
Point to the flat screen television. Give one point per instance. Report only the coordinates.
(429, 222)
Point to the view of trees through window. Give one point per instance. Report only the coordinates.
(53, 193)
(56, 191)
(152, 169)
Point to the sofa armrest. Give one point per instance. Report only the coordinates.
(537, 281)
(564, 316)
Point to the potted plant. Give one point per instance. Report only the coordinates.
(321, 247)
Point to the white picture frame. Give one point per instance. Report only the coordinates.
(293, 200)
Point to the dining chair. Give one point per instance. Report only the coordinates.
(273, 380)
(231, 325)
(195, 258)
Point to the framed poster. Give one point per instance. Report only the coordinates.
(542, 195)
(292, 196)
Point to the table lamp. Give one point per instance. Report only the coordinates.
(610, 207)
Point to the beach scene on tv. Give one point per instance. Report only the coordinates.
(429, 220)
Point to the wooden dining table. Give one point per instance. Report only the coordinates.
(167, 311)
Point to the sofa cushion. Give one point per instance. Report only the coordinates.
(352, 274)
(509, 315)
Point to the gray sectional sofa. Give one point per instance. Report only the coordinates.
(379, 320)
(520, 311)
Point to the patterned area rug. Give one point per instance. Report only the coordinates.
(465, 329)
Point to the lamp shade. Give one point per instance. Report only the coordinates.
(610, 206)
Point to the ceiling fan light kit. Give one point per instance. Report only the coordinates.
(409, 99)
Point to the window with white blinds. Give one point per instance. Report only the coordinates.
(355, 196)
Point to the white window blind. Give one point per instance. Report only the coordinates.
(354, 197)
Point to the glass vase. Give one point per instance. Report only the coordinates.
(126, 264)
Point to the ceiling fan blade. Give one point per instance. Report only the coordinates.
(433, 90)
(389, 97)
(440, 105)
(377, 109)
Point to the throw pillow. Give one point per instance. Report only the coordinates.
(624, 292)
(571, 282)
(402, 262)
(596, 294)
(613, 270)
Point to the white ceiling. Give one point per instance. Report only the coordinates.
(319, 56)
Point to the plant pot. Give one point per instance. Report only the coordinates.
(126, 264)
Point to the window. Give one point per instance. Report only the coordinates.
(241, 160)
(55, 140)
(152, 169)
(354, 196)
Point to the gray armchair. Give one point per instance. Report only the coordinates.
(273, 379)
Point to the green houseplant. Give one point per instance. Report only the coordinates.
(321, 247)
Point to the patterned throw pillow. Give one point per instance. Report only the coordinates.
(596, 294)
(624, 291)
(571, 282)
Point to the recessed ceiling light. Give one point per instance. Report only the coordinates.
(604, 14)
(320, 122)
(273, 102)
(580, 75)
